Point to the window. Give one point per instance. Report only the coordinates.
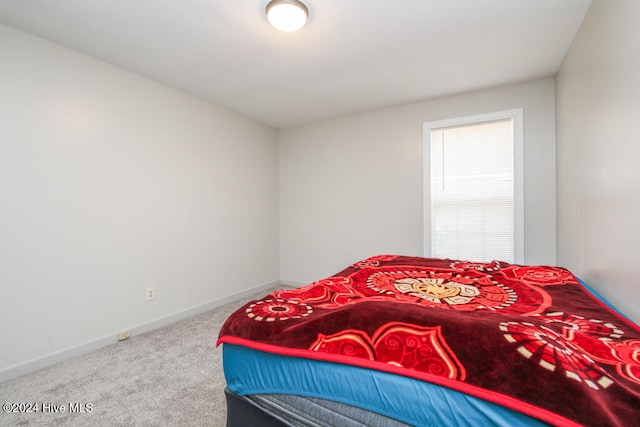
(473, 192)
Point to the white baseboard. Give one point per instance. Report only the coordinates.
(32, 365)
(292, 283)
(22, 368)
(200, 308)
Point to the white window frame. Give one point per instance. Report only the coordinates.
(517, 116)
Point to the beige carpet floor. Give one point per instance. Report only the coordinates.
(171, 376)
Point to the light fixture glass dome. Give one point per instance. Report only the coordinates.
(287, 15)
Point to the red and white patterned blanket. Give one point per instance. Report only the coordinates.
(529, 338)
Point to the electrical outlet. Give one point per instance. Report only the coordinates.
(124, 335)
(151, 293)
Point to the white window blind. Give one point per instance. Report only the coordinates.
(472, 191)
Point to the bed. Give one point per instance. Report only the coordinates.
(394, 341)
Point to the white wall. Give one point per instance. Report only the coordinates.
(352, 187)
(598, 131)
(110, 183)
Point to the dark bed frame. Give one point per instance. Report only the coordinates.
(242, 412)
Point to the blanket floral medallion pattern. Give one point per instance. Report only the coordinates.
(527, 337)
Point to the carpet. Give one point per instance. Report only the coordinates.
(171, 376)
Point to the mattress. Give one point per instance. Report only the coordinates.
(510, 346)
(299, 411)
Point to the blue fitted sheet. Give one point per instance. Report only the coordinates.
(414, 402)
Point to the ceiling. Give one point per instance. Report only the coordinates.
(353, 55)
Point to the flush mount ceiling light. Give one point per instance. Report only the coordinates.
(287, 15)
